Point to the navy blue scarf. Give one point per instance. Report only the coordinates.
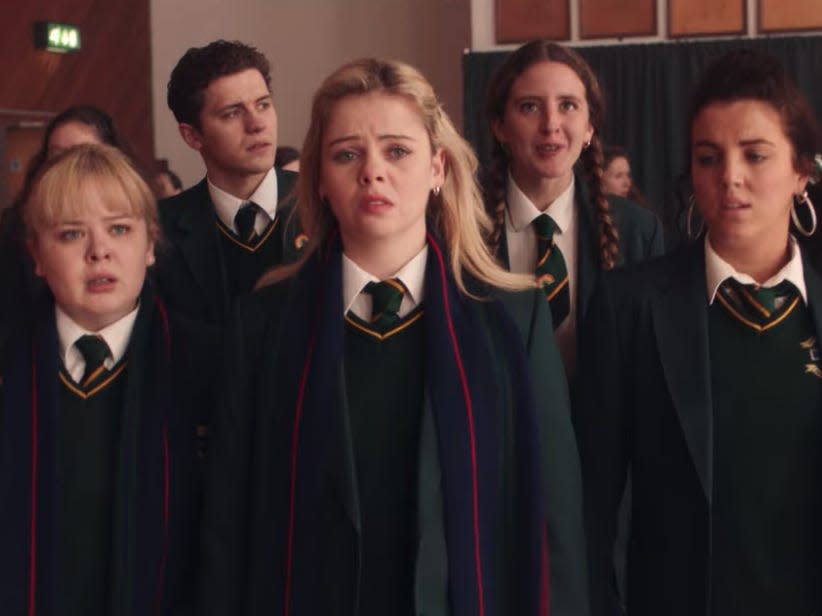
(29, 557)
(461, 379)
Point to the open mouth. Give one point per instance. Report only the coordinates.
(548, 148)
(100, 283)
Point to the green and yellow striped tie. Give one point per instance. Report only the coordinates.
(551, 272)
(756, 306)
(386, 298)
(94, 350)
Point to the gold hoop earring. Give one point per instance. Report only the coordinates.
(689, 223)
(806, 200)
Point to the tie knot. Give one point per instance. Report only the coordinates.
(386, 298)
(764, 297)
(545, 226)
(94, 350)
(244, 220)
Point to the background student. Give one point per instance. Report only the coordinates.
(226, 230)
(544, 188)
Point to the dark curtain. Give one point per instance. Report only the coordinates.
(647, 88)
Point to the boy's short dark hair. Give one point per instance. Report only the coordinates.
(199, 66)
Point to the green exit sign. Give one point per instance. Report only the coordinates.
(53, 36)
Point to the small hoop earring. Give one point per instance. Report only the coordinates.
(689, 220)
(436, 191)
(586, 145)
(805, 199)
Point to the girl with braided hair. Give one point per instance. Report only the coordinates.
(543, 188)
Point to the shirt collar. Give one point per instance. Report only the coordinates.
(523, 211)
(412, 275)
(116, 335)
(226, 204)
(717, 271)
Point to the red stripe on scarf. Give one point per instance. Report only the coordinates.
(161, 308)
(469, 409)
(164, 558)
(33, 514)
(166, 473)
(295, 435)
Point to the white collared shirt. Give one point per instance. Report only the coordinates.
(227, 205)
(412, 275)
(717, 271)
(522, 252)
(117, 336)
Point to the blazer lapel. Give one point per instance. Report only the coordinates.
(196, 239)
(680, 318)
(813, 285)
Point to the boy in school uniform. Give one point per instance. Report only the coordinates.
(233, 225)
(102, 393)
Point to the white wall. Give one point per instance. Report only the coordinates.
(304, 41)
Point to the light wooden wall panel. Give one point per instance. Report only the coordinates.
(789, 15)
(617, 18)
(705, 17)
(521, 20)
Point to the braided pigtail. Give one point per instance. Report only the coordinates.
(592, 161)
(493, 181)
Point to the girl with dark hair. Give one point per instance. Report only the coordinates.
(617, 178)
(543, 188)
(383, 449)
(702, 378)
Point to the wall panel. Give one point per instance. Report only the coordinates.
(112, 71)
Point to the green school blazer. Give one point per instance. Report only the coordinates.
(235, 564)
(645, 408)
(190, 271)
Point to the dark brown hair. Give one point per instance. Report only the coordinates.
(609, 154)
(495, 176)
(199, 66)
(751, 74)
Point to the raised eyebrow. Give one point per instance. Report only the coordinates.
(356, 138)
(391, 136)
(757, 141)
(343, 139)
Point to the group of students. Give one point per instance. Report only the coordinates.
(435, 395)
